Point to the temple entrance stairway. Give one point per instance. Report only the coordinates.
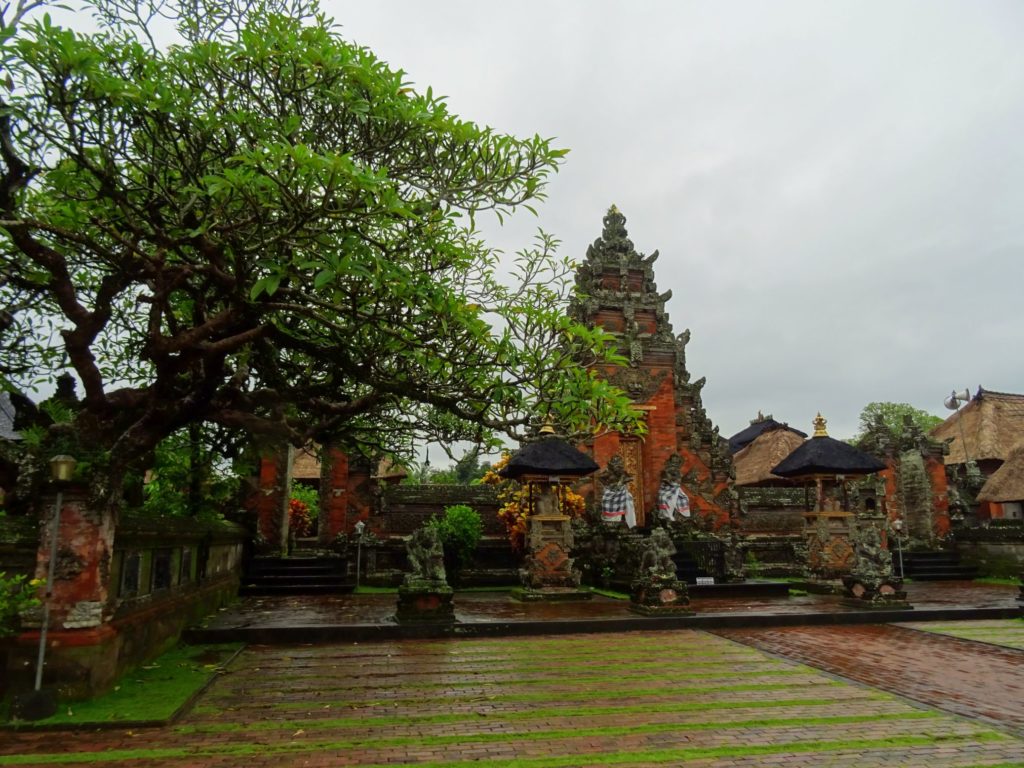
(306, 571)
(937, 565)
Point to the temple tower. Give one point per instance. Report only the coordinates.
(616, 291)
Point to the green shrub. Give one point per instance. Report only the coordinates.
(460, 529)
(16, 594)
(308, 496)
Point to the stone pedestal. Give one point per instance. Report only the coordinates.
(425, 604)
(830, 552)
(548, 573)
(871, 594)
(655, 596)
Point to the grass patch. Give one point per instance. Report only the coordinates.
(364, 589)
(673, 755)
(998, 581)
(614, 595)
(152, 693)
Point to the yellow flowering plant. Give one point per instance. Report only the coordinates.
(517, 503)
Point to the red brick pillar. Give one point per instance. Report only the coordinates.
(85, 550)
(334, 494)
(272, 497)
(936, 470)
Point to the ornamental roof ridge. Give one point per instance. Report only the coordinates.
(613, 247)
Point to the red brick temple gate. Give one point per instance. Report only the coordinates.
(619, 294)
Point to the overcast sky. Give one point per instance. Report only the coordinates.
(836, 189)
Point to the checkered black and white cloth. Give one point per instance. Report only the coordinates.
(672, 501)
(617, 504)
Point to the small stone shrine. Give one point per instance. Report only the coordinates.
(827, 464)
(424, 596)
(616, 291)
(548, 572)
(872, 582)
(657, 591)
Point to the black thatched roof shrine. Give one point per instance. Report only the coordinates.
(549, 456)
(758, 427)
(823, 455)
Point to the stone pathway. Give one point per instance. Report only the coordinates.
(631, 699)
(982, 682)
(1007, 632)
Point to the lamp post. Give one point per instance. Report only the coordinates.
(897, 525)
(61, 469)
(360, 527)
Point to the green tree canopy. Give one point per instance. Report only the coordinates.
(266, 228)
(892, 416)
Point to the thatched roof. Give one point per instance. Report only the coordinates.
(754, 462)
(550, 456)
(1007, 482)
(389, 470)
(993, 423)
(824, 455)
(306, 465)
(758, 427)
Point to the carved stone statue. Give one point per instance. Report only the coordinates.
(673, 503)
(616, 501)
(656, 588)
(873, 562)
(426, 557)
(424, 596)
(656, 555)
(871, 582)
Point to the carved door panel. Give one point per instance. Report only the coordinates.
(632, 457)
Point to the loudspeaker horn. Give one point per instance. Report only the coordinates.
(955, 398)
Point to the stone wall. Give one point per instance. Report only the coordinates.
(19, 540)
(122, 594)
(996, 550)
(404, 508)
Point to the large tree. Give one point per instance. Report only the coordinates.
(264, 227)
(891, 415)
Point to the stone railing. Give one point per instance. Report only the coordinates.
(160, 558)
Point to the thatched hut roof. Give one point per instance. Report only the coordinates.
(550, 456)
(754, 463)
(758, 427)
(1007, 482)
(993, 424)
(306, 464)
(824, 455)
(389, 470)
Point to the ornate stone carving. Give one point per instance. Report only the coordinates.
(639, 383)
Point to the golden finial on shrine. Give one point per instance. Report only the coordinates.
(819, 426)
(548, 428)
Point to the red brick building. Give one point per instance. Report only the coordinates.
(618, 293)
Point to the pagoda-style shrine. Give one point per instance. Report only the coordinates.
(617, 292)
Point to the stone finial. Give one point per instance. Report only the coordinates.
(819, 426)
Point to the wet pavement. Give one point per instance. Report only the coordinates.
(931, 600)
(637, 699)
(975, 679)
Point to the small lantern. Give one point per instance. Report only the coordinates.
(360, 527)
(62, 468)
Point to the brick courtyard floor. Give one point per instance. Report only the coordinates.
(633, 699)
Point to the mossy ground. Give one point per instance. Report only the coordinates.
(152, 693)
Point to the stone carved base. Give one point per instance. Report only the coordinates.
(425, 605)
(550, 594)
(548, 565)
(660, 597)
(864, 593)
